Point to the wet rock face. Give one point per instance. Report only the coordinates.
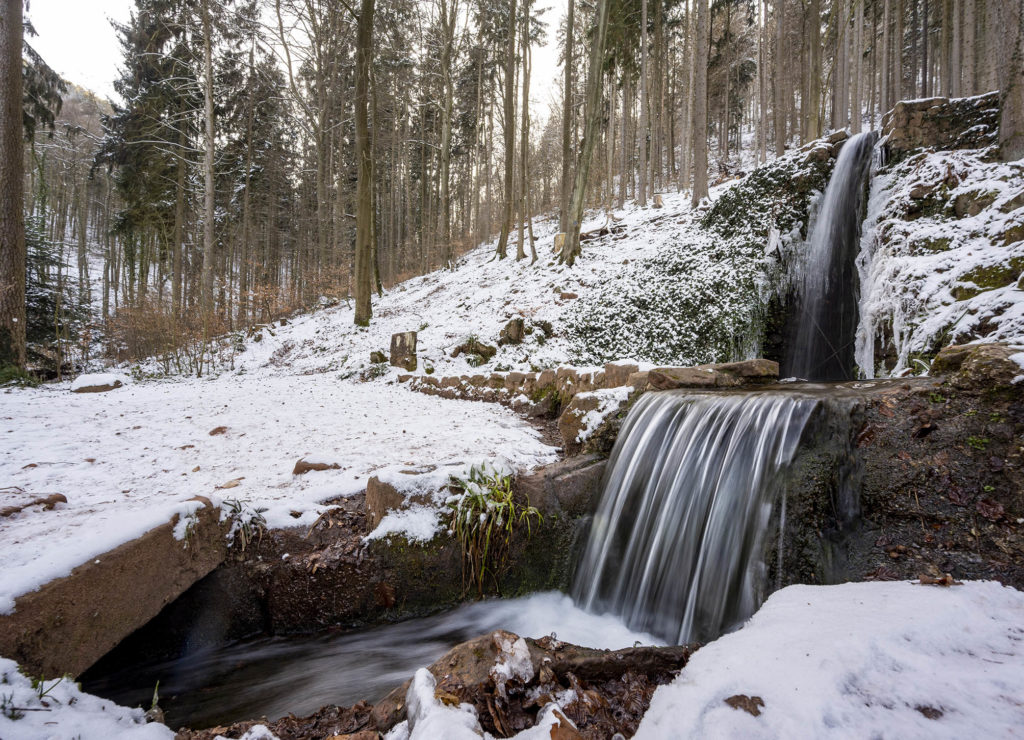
(941, 123)
(940, 474)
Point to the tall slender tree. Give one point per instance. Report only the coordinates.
(12, 222)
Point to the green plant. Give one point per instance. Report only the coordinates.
(42, 690)
(247, 524)
(13, 376)
(978, 443)
(936, 397)
(7, 708)
(484, 516)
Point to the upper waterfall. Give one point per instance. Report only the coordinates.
(822, 345)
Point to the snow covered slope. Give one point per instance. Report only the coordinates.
(942, 258)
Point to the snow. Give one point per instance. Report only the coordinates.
(110, 380)
(58, 710)
(416, 524)
(256, 732)
(858, 660)
(918, 284)
(129, 461)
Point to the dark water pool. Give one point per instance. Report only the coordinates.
(299, 674)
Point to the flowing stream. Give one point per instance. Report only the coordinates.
(823, 343)
(676, 544)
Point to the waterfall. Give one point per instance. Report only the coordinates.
(676, 548)
(822, 346)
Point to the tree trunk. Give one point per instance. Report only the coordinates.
(208, 202)
(448, 20)
(509, 128)
(699, 130)
(12, 218)
(567, 112)
(779, 111)
(641, 196)
(1011, 81)
(364, 153)
(856, 89)
(571, 246)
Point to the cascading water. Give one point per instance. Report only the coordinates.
(677, 542)
(822, 346)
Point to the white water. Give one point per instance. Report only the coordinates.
(677, 543)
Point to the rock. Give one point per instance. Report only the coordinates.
(724, 375)
(565, 296)
(304, 466)
(96, 383)
(638, 380)
(474, 346)
(669, 378)
(378, 357)
(978, 367)
(838, 136)
(617, 373)
(383, 498)
(750, 371)
(512, 333)
(405, 378)
(941, 123)
(569, 487)
(403, 350)
(586, 415)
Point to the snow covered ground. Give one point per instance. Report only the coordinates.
(128, 459)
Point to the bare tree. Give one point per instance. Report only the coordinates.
(12, 221)
(364, 153)
(571, 246)
(699, 129)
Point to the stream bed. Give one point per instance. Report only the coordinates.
(274, 676)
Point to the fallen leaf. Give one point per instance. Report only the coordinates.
(943, 580)
(991, 510)
(232, 483)
(218, 430)
(749, 704)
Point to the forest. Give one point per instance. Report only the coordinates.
(267, 155)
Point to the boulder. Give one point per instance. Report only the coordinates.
(569, 487)
(403, 350)
(96, 383)
(378, 357)
(724, 375)
(978, 367)
(474, 346)
(513, 332)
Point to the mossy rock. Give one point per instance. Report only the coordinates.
(931, 244)
(989, 277)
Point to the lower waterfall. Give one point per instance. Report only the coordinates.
(676, 547)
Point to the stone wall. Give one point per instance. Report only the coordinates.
(562, 384)
(941, 123)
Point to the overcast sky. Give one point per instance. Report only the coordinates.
(77, 40)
